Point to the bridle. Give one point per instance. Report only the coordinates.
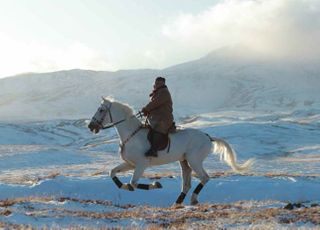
(112, 124)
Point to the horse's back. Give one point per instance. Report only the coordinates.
(190, 137)
(186, 132)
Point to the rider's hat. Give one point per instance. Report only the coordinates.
(161, 79)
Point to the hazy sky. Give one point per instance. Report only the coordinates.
(49, 35)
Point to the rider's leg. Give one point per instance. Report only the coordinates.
(154, 138)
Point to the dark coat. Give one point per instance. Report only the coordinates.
(160, 110)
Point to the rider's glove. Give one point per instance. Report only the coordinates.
(145, 112)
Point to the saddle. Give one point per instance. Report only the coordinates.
(160, 141)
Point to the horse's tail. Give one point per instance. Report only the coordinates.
(229, 156)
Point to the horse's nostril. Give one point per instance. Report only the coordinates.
(90, 126)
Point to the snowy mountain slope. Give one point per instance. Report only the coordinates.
(65, 94)
(219, 81)
(224, 80)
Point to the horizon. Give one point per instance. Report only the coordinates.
(106, 36)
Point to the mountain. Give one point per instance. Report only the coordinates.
(222, 80)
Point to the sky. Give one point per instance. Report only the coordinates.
(52, 35)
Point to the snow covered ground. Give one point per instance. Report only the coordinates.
(54, 173)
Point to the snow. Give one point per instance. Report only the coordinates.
(61, 158)
(57, 171)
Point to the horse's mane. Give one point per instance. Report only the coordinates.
(126, 107)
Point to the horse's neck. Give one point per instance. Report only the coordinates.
(126, 128)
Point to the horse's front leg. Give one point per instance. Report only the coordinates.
(138, 172)
(121, 168)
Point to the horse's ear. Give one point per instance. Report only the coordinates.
(104, 98)
(107, 98)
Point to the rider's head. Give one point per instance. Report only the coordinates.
(160, 81)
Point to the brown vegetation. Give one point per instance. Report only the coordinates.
(205, 216)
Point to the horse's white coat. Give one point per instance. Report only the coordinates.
(188, 146)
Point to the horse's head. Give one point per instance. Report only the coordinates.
(101, 117)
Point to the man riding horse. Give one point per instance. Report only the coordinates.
(133, 143)
(159, 113)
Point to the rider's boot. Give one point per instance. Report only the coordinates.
(151, 153)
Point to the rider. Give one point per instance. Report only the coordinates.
(159, 113)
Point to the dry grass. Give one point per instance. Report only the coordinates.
(4, 225)
(10, 202)
(230, 173)
(255, 215)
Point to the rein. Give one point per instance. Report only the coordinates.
(112, 124)
(115, 123)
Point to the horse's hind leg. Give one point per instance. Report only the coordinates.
(121, 168)
(186, 180)
(138, 171)
(203, 176)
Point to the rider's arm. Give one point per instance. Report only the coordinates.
(159, 99)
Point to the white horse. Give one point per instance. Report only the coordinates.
(188, 146)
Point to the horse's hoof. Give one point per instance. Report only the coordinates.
(177, 206)
(157, 184)
(128, 187)
(194, 202)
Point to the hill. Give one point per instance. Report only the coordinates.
(222, 80)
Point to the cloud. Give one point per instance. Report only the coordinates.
(277, 28)
(77, 55)
(18, 57)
